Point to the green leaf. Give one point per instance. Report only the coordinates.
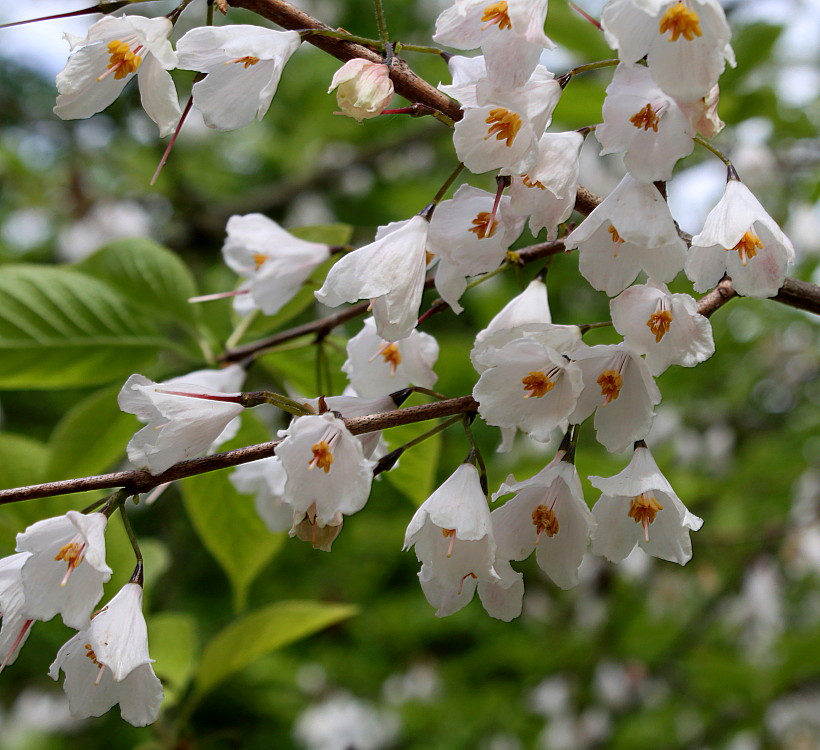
(261, 632)
(173, 646)
(415, 473)
(227, 522)
(62, 329)
(147, 274)
(91, 437)
(22, 462)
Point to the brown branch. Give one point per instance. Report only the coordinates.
(712, 301)
(136, 482)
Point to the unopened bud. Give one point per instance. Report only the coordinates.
(363, 88)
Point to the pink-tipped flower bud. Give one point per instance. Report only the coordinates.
(363, 88)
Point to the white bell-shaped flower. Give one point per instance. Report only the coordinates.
(274, 263)
(546, 192)
(666, 327)
(464, 232)
(686, 43)
(739, 238)
(183, 419)
(466, 73)
(66, 569)
(504, 130)
(452, 534)
(265, 480)
(629, 231)
(649, 125)
(528, 385)
(547, 514)
(113, 51)
(243, 64)
(639, 507)
(389, 271)
(16, 622)
(376, 367)
(621, 392)
(326, 468)
(510, 34)
(363, 88)
(107, 663)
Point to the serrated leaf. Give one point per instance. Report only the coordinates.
(91, 437)
(227, 522)
(261, 632)
(147, 274)
(63, 329)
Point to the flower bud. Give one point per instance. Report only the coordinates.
(363, 88)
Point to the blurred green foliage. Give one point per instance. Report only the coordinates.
(696, 657)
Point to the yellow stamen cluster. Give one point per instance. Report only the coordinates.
(643, 509)
(482, 227)
(89, 652)
(451, 535)
(71, 553)
(259, 259)
(537, 383)
(680, 21)
(544, 520)
(123, 61)
(611, 383)
(246, 61)
(532, 183)
(322, 456)
(504, 125)
(747, 247)
(497, 14)
(646, 118)
(613, 233)
(392, 356)
(660, 323)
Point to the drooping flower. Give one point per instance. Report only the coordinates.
(503, 131)
(666, 327)
(546, 192)
(739, 238)
(639, 507)
(66, 569)
(376, 367)
(274, 262)
(452, 534)
(529, 385)
(510, 34)
(647, 124)
(389, 271)
(629, 231)
(363, 88)
(107, 663)
(547, 514)
(465, 232)
(113, 51)
(243, 64)
(621, 392)
(16, 623)
(686, 44)
(180, 424)
(326, 470)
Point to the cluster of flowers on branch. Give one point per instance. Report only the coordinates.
(532, 375)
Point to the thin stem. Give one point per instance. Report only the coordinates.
(475, 452)
(241, 328)
(132, 537)
(209, 15)
(437, 198)
(388, 461)
(428, 392)
(344, 36)
(176, 12)
(381, 23)
(419, 48)
(100, 8)
(589, 326)
(570, 74)
(709, 147)
(173, 140)
(256, 398)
